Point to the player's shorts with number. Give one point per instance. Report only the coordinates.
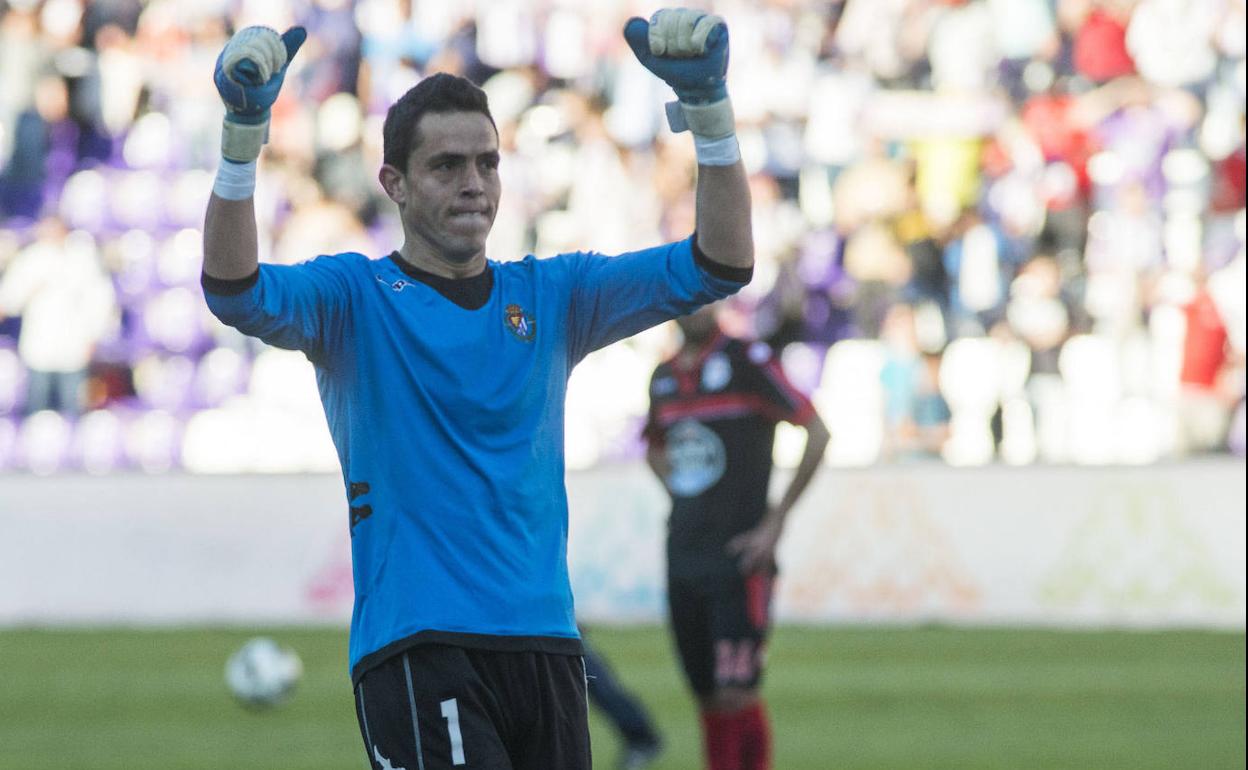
(721, 626)
(438, 707)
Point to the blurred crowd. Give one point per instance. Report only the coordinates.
(987, 230)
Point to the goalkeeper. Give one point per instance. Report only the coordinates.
(443, 374)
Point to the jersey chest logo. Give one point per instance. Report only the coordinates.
(520, 323)
(397, 285)
(697, 456)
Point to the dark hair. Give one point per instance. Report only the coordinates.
(437, 93)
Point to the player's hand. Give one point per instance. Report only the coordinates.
(249, 75)
(686, 49)
(755, 549)
(251, 68)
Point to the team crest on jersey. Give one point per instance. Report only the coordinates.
(520, 323)
(716, 372)
(663, 386)
(697, 458)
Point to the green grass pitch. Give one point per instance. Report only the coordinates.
(839, 698)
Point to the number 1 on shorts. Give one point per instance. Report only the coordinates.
(450, 711)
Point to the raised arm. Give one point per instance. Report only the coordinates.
(249, 74)
(688, 50)
(230, 250)
(723, 216)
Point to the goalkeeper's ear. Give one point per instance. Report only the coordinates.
(392, 182)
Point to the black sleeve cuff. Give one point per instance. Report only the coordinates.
(741, 275)
(228, 287)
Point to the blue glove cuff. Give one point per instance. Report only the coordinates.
(706, 95)
(247, 119)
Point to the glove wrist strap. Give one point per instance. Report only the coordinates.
(712, 121)
(241, 142)
(235, 181)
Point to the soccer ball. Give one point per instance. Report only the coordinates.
(263, 673)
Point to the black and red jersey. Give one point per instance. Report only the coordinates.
(716, 421)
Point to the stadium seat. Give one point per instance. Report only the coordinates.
(219, 375)
(12, 381)
(152, 441)
(43, 442)
(284, 379)
(84, 201)
(98, 445)
(8, 443)
(180, 258)
(608, 394)
(976, 373)
(219, 440)
(164, 382)
(1090, 366)
(851, 401)
(136, 199)
(174, 319)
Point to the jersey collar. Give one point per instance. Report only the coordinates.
(469, 293)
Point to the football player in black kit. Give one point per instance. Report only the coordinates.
(711, 427)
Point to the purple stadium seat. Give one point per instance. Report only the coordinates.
(8, 443)
(97, 444)
(43, 442)
(84, 201)
(137, 272)
(12, 381)
(221, 374)
(164, 382)
(180, 258)
(152, 441)
(174, 319)
(137, 199)
(188, 198)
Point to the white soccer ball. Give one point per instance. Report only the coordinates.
(263, 673)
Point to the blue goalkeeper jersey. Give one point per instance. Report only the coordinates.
(447, 413)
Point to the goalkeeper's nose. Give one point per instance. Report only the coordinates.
(472, 182)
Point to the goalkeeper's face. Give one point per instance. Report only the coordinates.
(448, 195)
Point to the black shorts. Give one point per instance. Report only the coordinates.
(438, 707)
(720, 621)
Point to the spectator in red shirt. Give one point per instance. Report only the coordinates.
(1204, 408)
(1101, 42)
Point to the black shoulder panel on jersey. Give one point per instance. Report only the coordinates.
(228, 287)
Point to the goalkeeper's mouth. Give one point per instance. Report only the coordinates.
(470, 217)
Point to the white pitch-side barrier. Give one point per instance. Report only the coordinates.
(1152, 546)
